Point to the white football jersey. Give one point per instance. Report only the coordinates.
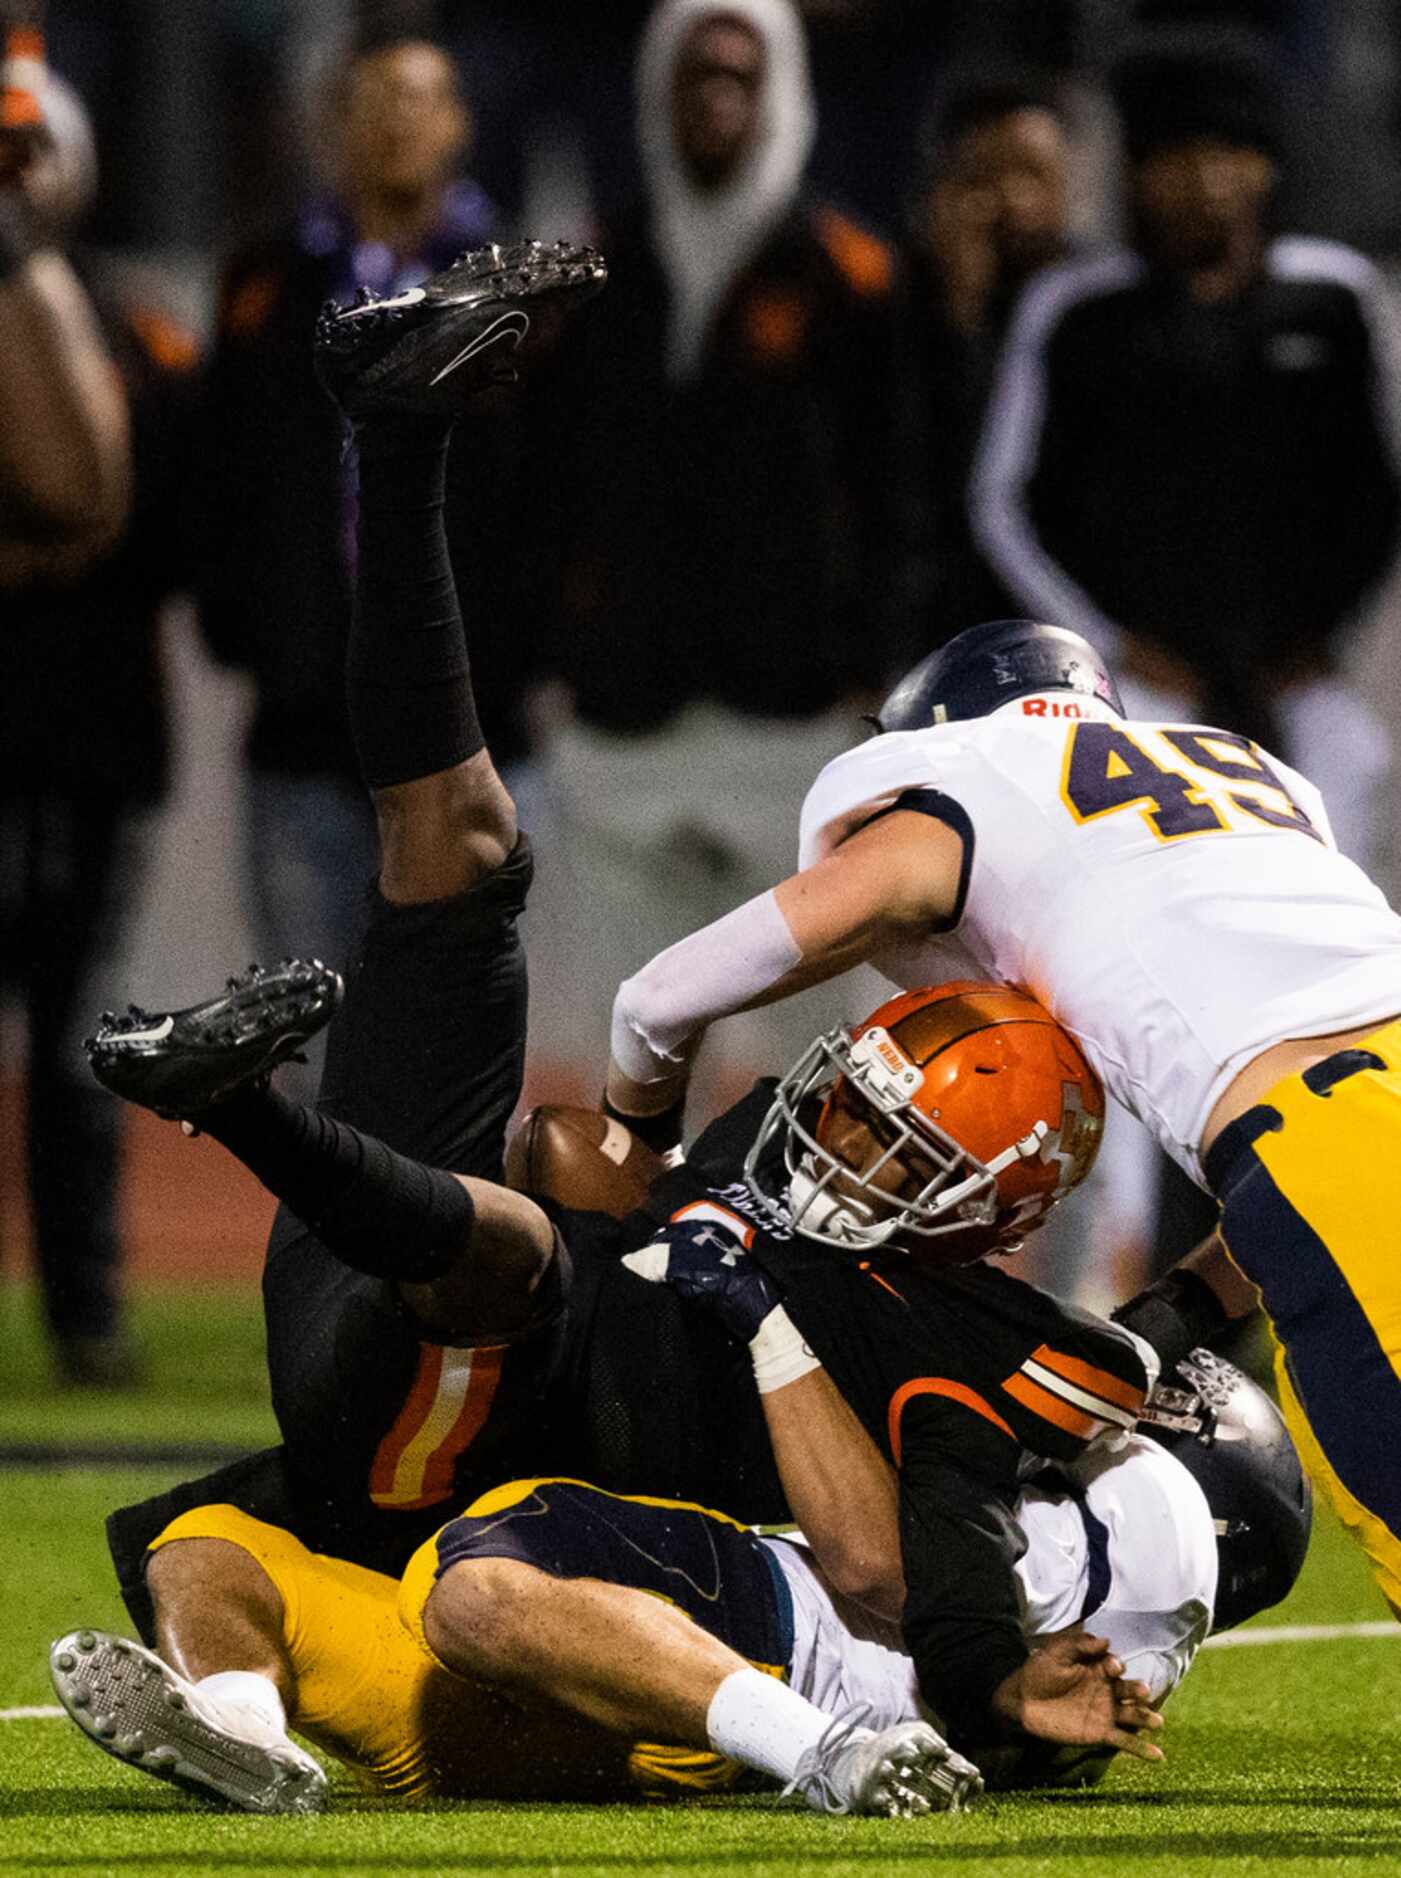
(1132, 1555)
(1170, 893)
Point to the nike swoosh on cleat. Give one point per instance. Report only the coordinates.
(513, 326)
(157, 1034)
(410, 297)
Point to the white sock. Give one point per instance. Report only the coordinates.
(759, 1720)
(246, 1689)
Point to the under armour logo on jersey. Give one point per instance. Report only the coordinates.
(513, 326)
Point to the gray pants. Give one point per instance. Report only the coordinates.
(654, 836)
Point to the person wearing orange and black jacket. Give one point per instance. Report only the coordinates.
(276, 556)
(83, 757)
(734, 497)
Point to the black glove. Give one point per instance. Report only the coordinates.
(1174, 1315)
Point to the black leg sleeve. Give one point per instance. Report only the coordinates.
(376, 1211)
(408, 685)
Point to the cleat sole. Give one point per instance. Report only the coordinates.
(147, 1724)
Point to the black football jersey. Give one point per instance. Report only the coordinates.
(960, 1376)
(388, 1433)
(966, 1378)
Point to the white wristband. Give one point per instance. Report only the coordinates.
(778, 1352)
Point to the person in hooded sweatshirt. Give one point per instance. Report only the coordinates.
(731, 522)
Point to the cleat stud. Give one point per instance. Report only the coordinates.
(80, 1698)
(86, 1641)
(66, 1662)
(174, 1699)
(106, 1726)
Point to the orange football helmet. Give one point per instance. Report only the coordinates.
(945, 1126)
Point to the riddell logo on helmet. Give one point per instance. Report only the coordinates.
(1050, 707)
(876, 1054)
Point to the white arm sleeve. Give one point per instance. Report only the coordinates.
(721, 968)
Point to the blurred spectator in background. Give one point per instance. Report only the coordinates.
(1191, 454)
(64, 444)
(278, 534)
(735, 480)
(82, 756)
(990, 207)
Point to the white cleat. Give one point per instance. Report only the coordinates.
(130, 1703)
(901, 1773)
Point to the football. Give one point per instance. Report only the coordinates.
(582, 1159)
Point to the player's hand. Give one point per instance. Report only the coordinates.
(702, 1253)
(1073, 1690)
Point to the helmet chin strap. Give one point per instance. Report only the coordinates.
(1027, 1149)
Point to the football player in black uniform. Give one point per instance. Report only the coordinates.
(431, 1333)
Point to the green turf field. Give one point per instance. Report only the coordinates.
(204, 1377)
(1282, 1758)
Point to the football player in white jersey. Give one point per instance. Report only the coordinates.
(1153, 1542)
(1175, 898)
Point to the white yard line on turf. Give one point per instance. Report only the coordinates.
(1233, 1639)
(1303, 1633)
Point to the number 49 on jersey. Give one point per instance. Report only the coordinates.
(1181, 781)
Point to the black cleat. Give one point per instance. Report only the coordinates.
(182, 1062)
(428, 349)
(104, 1361)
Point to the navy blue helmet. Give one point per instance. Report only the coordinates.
(1232, 1440)
(989, 665)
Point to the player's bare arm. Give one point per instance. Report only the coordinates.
(65, 470)
(841, 1490)
(65, 466)
(839, 1487)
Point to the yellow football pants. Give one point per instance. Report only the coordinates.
(1312, 1213)
(370, 1696)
